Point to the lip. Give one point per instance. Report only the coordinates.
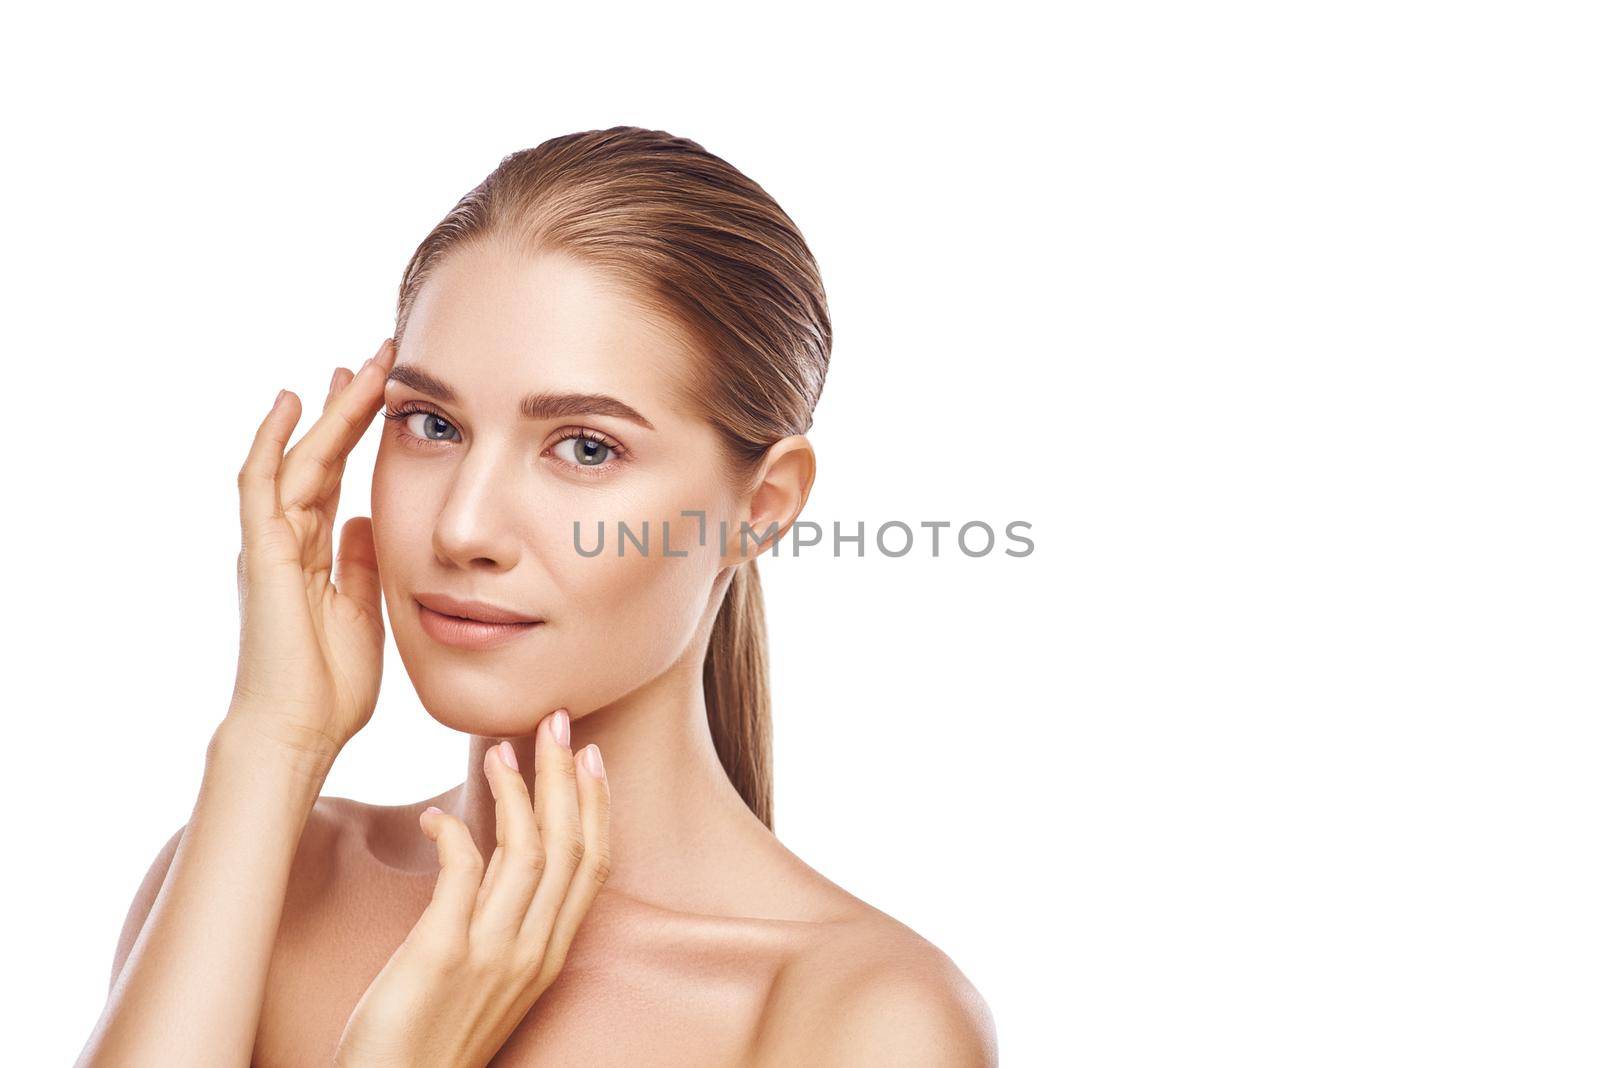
(481, 611)
(465, 633)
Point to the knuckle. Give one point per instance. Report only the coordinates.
(524, 854)
(573, 850)
(561, 770)
(525, 962)
(350, 419)
(268, 544)
(600, 862)
(529, 857)
(533, 944)
(551, 961)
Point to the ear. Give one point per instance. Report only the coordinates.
(775, 500)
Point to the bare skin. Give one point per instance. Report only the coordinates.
(710, 942)
(642, 984)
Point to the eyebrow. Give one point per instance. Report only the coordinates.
(536, 405)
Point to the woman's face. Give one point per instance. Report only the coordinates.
(474, 499)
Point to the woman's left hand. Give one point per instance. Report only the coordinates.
(490, 943)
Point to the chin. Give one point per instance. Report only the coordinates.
(489, 716)
(492, 698)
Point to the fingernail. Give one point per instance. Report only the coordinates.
(508, 755)
(334, 380)
(432, 808)
(591, 758)
(282, 393)
(561, 727)
(370, 361)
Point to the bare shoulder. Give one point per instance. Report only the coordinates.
(871, 991)
(334, 822)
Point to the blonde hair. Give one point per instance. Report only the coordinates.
(705, 247)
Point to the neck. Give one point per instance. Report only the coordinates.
(680, 833)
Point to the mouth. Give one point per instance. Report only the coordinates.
(470, 631)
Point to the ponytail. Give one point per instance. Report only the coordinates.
(738, 702)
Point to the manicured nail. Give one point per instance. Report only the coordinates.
(282, 393)
(334, 380)
(591, 760)
(431, 808)
(508, 755)
(561, 727)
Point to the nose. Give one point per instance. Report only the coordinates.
(475, 527)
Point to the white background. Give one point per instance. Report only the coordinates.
(1277, 322)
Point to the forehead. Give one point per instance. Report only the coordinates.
(497, 318)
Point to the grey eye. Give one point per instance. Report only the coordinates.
(585, 452)
(433, 428)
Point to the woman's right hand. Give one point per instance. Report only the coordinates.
(311, 630)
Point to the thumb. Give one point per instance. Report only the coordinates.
(355, 573)
(449, 913)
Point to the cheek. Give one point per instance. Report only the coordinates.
(627, 617)
(642, 597)
(645, 599)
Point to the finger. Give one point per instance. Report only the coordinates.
(326, 508)
(517, 845)
(258, 486)
(460, 871)
(491, 757)
(555, 809)
(311, 467)
(488, 878)
(356, 571)
(594, 798)
(341, 378)
(330, 504)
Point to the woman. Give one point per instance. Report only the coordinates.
(614, 343)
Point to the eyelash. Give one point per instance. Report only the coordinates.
(619, 453)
